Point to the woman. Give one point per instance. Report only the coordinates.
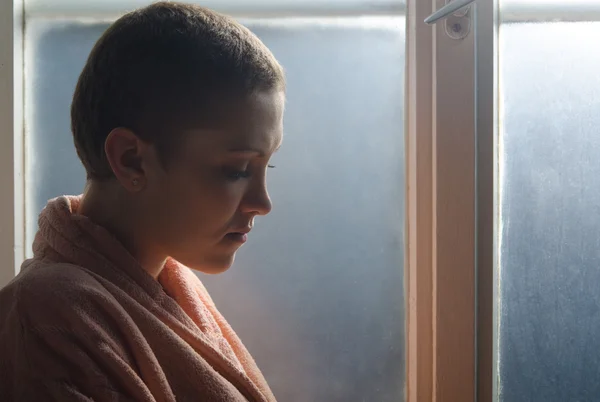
(175, 116)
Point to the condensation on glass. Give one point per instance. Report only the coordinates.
(549, 307)
(317, 293)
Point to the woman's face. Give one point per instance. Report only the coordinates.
(201, 207)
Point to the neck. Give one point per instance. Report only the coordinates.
(108, 205)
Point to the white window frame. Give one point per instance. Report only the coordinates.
(12, 228)
(441, 192)
(112, 9)
(487, 203)
(451, 208)
(549, 10)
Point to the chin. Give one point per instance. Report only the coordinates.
(212, 265)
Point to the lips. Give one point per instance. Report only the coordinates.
(237, 237)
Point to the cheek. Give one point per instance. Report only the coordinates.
(186, 225)
(205, 207)
(190, 207)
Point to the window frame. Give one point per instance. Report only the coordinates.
(112, 9)
(549, 10)
(487, 204)
(12, 228)
(419, 196)
(451, 117)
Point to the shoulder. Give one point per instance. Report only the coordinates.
(42, 282)
(50, 293)
(58, 324)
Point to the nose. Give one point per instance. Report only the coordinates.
(257, 200)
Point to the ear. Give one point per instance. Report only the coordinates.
(125, 152)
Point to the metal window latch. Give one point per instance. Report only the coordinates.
(457, 16)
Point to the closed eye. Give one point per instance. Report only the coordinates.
(236, 174)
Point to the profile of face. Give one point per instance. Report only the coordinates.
(200, 208)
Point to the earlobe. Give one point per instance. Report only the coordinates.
(136, 185)
(124, 152)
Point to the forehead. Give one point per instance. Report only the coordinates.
(251, 123)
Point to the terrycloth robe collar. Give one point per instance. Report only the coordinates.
(178, 299)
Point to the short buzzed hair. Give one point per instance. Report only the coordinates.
(161, 67)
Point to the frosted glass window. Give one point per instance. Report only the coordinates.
(317, 293)
(549, 343)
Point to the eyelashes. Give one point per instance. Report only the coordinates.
(235, 175)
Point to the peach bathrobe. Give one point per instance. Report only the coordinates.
(84, 322)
